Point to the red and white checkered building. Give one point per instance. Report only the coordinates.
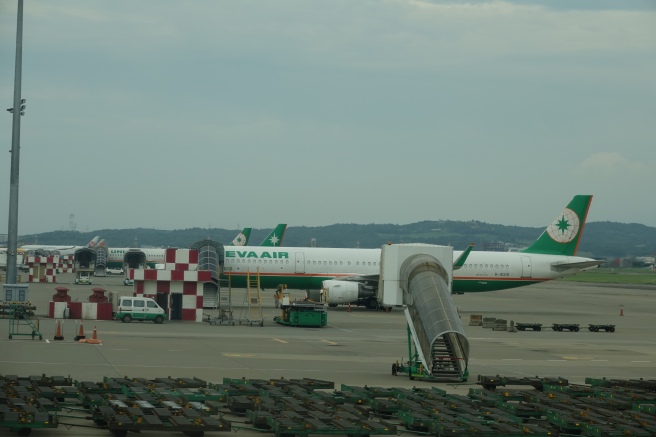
(179, 278)
(42, 268)
(66, 264)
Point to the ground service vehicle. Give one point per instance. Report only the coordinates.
(83, 278)
(139, 308)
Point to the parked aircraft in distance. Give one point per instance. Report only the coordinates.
(351, 275)
(19, 259)
(59, 249)
(156, 256)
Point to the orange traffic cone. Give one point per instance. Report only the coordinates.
(349, 307)
(80, 336)
(94, 338)
(621, 311)
(58, 334)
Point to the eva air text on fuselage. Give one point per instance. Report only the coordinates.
(253, 254)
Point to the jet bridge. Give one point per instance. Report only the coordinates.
(419, 277)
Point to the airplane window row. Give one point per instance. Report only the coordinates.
(485, 266)
(325, 263)
(257, 261)
(331, 263)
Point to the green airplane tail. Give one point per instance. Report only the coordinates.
(563, 235)
(242, 238)
(276, 236)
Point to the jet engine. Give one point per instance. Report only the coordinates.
(343, 292)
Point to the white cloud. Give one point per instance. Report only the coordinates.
(612, 164)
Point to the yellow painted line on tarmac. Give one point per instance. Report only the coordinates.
(331, 343)
(279, 340)
(579, 358)
(240, 355)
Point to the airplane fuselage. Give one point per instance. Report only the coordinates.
(307, 268)
(116, 255)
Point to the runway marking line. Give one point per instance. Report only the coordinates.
(281, 341)
(330, 343)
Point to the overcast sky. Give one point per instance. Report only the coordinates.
(180, 114)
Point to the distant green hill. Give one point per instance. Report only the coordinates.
(600, 239)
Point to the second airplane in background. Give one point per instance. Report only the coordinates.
(155, 256)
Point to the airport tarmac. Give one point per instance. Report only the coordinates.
(356, 348)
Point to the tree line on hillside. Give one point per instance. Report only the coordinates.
(600, 239)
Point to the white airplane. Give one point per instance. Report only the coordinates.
(156, 256)
(351, 275)
(59, 249)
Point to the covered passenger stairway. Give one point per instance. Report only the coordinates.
(102, 255)
(211, 256)
(133, 259)
(437, 346)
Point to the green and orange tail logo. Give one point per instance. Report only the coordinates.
(562, 236)
(242, 238)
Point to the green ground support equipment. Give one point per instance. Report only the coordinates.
(303, 314)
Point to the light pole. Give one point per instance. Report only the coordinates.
(17, 110)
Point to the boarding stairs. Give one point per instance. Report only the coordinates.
(437, 345)
(101, 261)
(22, 314)
(445, 362)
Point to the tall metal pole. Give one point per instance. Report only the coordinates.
(12, 234)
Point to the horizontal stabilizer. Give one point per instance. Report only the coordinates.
(578, 265)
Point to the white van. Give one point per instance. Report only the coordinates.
(83, 278)
(139, 308)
